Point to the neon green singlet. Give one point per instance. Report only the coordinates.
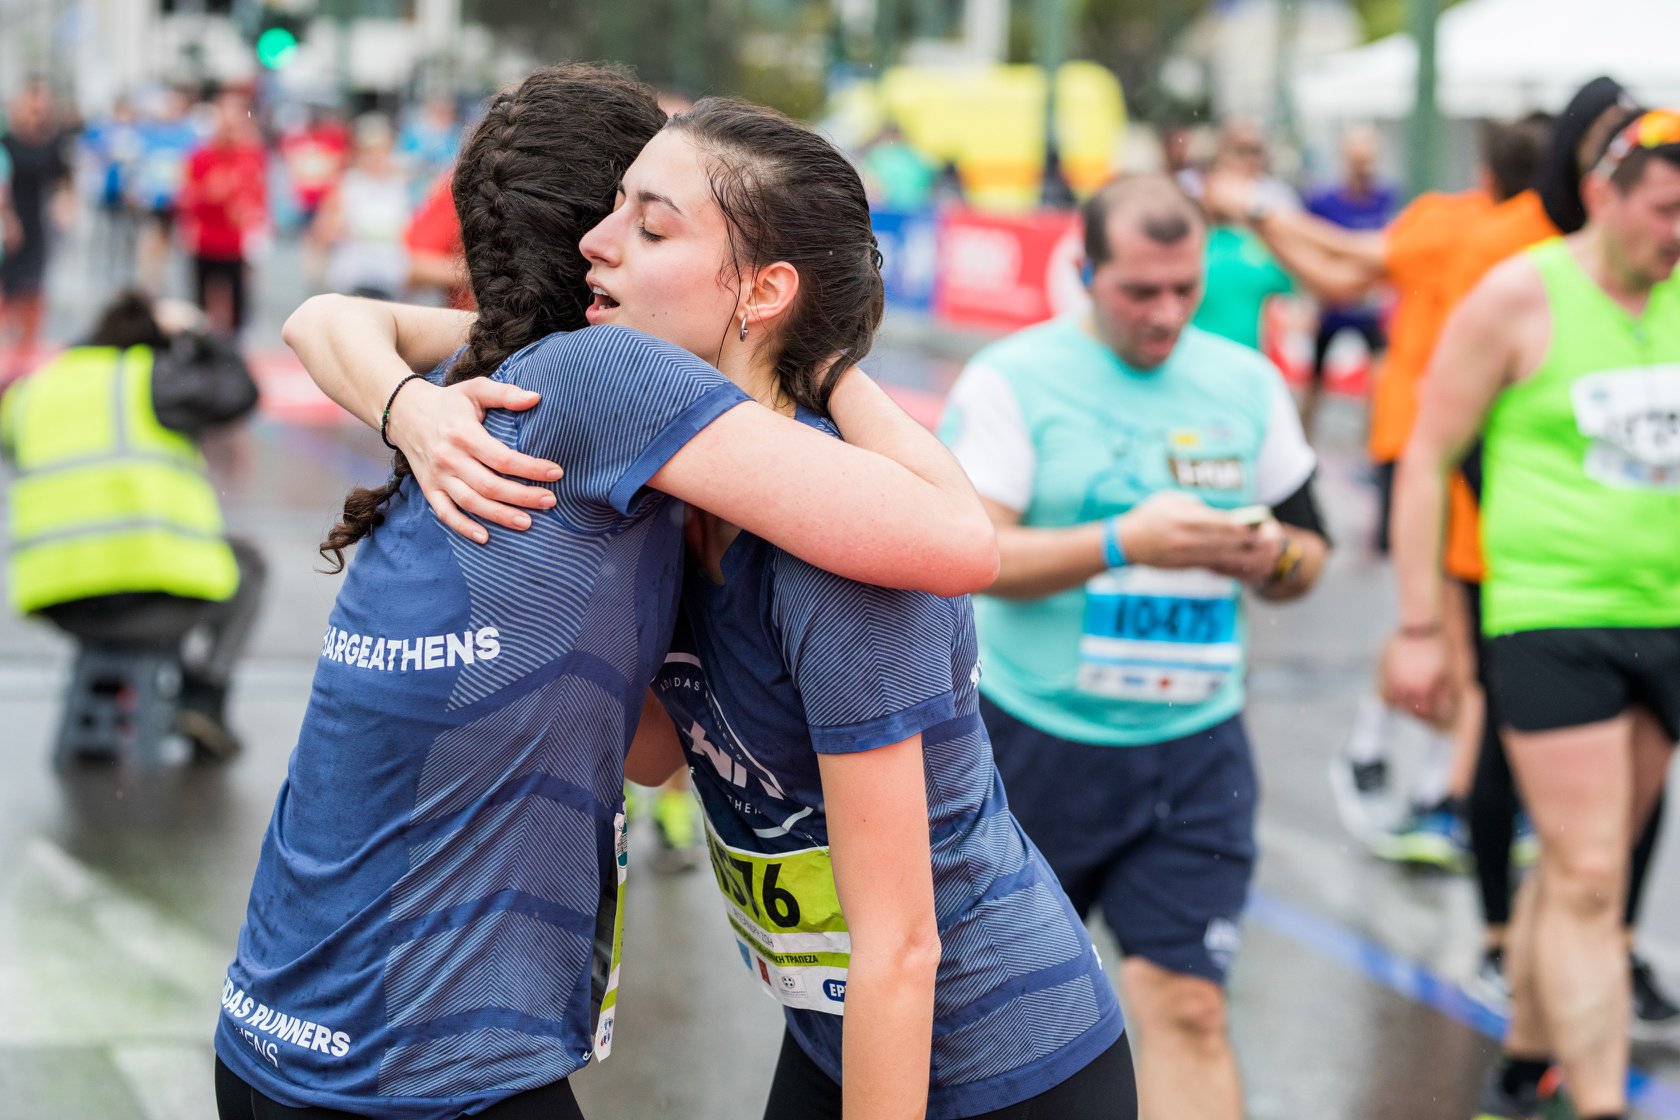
(1581, 513)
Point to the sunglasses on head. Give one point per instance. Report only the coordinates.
(1657, 128)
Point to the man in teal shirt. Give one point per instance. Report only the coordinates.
(1140, 472)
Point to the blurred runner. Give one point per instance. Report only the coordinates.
(1140, 473)
(314, 157)
(430, 140)
(167, 139)
(1242, 275)
(1360, 201)
(40, 198)
(360, 223)
(433, 240)
(113, 146)
(1415, 255)
(224, 211)
(1563, 358)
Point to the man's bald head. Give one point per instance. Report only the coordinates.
(1152, 204)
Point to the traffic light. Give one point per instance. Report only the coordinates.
(278, 32)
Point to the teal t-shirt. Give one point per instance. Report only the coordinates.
(1051, 423)
(1241, 275)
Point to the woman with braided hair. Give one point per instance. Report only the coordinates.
(859, 833)
(434, 923)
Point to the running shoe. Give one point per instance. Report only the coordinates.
(1525, 843)
(1430, 837)
(1545, 1101)
(676, 818)
(1362, 796)
(1656, 1018)
(1497, 1104)
(1488, 986)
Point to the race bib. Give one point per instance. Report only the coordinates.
(1157, 636)
(785, 912)
(1632, 417)
(608, 1017)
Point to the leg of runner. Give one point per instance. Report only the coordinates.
(1578, 784)
(1187, 1069)
(1656, 1015)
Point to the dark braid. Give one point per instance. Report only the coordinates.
(536, 174)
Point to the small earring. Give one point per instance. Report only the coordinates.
(743, 326)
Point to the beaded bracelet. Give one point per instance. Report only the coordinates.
(385, 417)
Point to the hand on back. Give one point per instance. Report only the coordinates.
(459, 465)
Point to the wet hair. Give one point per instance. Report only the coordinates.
(537, 173)
(1154, 202)
(128, 320)
(1515, 152)
(787, 194)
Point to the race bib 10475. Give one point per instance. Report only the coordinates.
(1158, 636)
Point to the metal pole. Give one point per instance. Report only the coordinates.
(1425, 153)
(886, 34)
(1052, 52)
(930, 20)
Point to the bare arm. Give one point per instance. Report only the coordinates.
(869, 419)
(883, 872)
(356, 350)
(851, 511)
(1337, 265)
(655, 753)
(1166, 530)
(1476, 357)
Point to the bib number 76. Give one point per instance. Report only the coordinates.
(762, 898)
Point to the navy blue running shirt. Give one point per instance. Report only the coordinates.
(784, 661)
(440, 866)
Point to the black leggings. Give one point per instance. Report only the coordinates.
(237, 1100)
(1494, 806)
(1106, 1089)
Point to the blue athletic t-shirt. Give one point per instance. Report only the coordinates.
(784, 661)
(440, 869)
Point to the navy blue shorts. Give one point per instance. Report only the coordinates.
(1160, 837)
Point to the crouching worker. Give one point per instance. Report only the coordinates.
(115, 533)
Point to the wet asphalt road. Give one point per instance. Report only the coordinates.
(120, 897)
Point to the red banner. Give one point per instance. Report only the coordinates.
(1003, 272)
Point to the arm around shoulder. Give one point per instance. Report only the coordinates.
(854, 512)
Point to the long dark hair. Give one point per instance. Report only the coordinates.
(536, 174)
(789, 195)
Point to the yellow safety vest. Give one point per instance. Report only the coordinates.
(106, 499)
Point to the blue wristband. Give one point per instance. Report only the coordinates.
(1113, 554)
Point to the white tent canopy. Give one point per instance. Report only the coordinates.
(1502, 58)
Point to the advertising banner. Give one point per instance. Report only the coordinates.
(1003, 272)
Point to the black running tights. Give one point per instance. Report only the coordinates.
(1106, 1089)
(237, 1100)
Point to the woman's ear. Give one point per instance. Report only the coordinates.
(771, 293)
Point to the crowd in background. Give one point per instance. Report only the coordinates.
(188, 190)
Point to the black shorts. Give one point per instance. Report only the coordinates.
(1158, 837)
(1106, 1089)
(1545, 680)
